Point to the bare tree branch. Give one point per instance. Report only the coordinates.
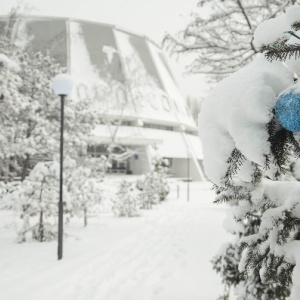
(222, 42)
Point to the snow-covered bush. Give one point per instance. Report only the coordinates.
(36, 198)
(154, 185)
(246, 153)
(84, 191)
(5, 190)
(149, 187)
(97, 165)
(36, 202)
(127, 203)
(161, 168)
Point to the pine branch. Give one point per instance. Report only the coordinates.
(295, 145)
(233, 193)
(257, 174)
(280, 144)
(235, 161)
(279, 50)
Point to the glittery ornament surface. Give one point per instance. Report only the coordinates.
(287, 110)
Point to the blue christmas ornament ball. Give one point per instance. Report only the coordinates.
(287, 110)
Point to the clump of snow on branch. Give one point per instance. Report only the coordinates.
(273, 29)
(292, 14)
(277, 29)
(235, 115)
(269, 31)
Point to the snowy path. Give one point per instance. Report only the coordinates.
(164, 255)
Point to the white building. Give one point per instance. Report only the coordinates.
(131, 82)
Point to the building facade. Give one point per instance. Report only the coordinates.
(129, 80)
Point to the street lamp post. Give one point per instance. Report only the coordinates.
(62, 86)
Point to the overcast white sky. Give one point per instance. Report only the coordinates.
(149, 17)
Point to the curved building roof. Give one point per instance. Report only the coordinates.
(120, 70)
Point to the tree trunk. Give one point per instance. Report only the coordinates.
(85, 217)
(41, 226)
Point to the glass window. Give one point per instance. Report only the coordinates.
(49, 37)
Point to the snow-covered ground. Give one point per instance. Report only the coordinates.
(162, 255)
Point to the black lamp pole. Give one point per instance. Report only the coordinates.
(60, 203)
(62, 85)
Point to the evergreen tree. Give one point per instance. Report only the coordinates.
(249, 173)
(35, 199)
(36, 203)
(84, 189)
(10, 83)
(36, 121)
(30, 111)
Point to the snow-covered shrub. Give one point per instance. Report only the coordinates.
(97, 165)
(36, 198)
(84, 191)
(5, 190)
(161, 168)
(154, 185)
(127, 203)
(148, 185)
(36, 202)
(246, 153)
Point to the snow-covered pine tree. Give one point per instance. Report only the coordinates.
(34, 129)
(36, 198)
(36, 202)
(84, 191)
(30, 113)
(36, 121)
(10, 83)
(248, 170)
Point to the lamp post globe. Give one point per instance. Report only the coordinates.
(62, 85)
